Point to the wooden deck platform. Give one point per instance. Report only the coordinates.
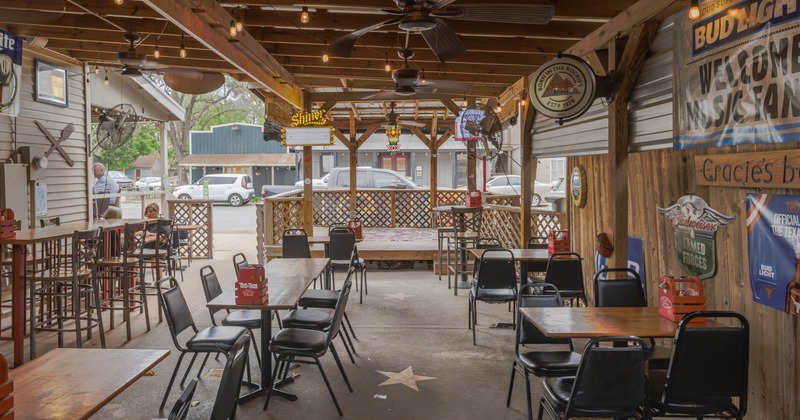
(385, 245)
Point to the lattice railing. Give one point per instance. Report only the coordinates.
(502, 222)
(543, 223)
(198, 213)
(502, 200)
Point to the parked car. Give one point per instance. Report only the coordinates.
(270, 190)
(557, 192)
(148, 183)
(123, 181)
(367, 177)
(235, 189)
(512, 185)
(315, 182)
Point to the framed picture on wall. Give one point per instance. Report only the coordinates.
(51, 84)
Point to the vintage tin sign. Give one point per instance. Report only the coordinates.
(563, 88)
(696, 225)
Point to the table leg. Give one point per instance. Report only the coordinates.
(18, 302)
(266, 364)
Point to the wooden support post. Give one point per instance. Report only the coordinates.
(308, 194)
(434, 148)
(528, 176)
(353, 148)
(627, 70)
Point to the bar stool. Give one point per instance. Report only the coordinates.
(466, 233)
(66, 276)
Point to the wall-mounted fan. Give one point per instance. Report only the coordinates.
(427, 18)
(408, 81)
(480, 121)
(392, 118)
(195, 82)
(115, 127)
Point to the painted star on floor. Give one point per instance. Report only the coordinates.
(396, 296)
(406, 377)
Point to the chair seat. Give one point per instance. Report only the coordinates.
(248, 318)
(346, 263)
(117, 261)
(318, 298)
(299, 341)
(557, 391)
(496, 295)
(214, 339)
(657, 379)
(550, 363)
(308, 318)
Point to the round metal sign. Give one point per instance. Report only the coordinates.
(563, 88)
(578, 187)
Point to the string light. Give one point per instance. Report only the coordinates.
(464, 103)
(232, 30)
(183, 48)
(119, 2)
(96, 69)
(325, 57)
(304, 15)
(387, 66)
(157, 53)
(105, 81)
(694, 11)
(497, 109)
(239, 25)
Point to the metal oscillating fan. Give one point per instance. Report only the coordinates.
(115, 126)
(480, 121)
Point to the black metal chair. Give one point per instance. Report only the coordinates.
(228, 393)
(179, 318)
(245, 318)
(565, 271)
(539, 267)
(610, 382)
(239, 261)
(484, 243)
(295, 244)
(541, 363)
(708, 369)
(299, 345)
(157, 255)
(181, 408)
(496, 283)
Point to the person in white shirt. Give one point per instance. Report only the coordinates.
(104, 185)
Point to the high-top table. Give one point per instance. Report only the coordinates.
(19, 245)
(69, 383)
(288, 279)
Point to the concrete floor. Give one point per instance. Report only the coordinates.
(409, 319)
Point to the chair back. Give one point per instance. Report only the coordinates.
(163, 230)
(181, 408)
(85, 249)
(343, 241)
(467, 219)
(527, 333)
(228, 392)
(295, 244)
(618, 292)
(133, 235)
(333, 226)
(610, 381)
(211, 287)
(239, 261)
(176, 310)
(497, 273)
(341, 303)
(709, 361)
(565, 270)
(537, 242)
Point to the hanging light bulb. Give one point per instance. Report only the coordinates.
(239, 25)
(232, 29)
(694, 11)
(119, 2)
(157, 53)
(325, 57)
(464, 103)
(105, 81)
(183, 48)
(422, 79)
(387, 66)
(96, 69)
(304, 15)
(497, 109)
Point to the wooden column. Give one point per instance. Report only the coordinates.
(308, 197)
(353, 149)
(627, 70)
(528, 175)
(434, 148)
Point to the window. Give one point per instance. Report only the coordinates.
(383, 180)
(514, 181)
(558, 168)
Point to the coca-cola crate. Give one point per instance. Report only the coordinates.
(253, 274)
(8, 225)
(251, 296)
(681, 296)
(558, 241)
(473, 199)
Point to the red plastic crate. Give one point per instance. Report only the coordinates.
(473, 199)
(251, 296)
(8, 225)
(679, 297)
(253, 274)
(558, 241)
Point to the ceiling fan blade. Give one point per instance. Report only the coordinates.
(444, 42)
(191, 84)
(443, 85)
(411, 123)
(384, 96)
(523, 14)
(441, 3)
(343, 46)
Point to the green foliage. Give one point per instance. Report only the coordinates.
(144, 142)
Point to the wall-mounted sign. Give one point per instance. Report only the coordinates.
(309, 119)
(778, 169)
(773, 244)
(10, 72)
(563, 88)
(578, 187)
(736, 74)
(695, 225)
(51, 84)
(307, 136)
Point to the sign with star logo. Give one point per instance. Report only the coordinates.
(563, 88)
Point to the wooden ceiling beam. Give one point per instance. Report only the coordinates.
(379, 74)
(361, 97)
(323, 82)
(432, 73)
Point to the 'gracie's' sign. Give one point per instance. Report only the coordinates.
(778, 169)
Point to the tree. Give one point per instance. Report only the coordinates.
(144, 142)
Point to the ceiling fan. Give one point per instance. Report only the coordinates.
(427, 18)
(135, 63)
(408, 81)
(392, 118)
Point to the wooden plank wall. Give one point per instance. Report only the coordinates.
(658, 179)
(67, 193)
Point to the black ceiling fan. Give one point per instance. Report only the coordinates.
(427, 18)
(408, 81)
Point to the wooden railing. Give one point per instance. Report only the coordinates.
(199, 213)
(393, 209)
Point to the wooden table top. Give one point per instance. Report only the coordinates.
(519, 254)
(71, 383)
(287, 279)
(590, 322)
(325, 240)
(187, 227)
(42, 234)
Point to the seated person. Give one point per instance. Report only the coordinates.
(112, 236)
(151, 213)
